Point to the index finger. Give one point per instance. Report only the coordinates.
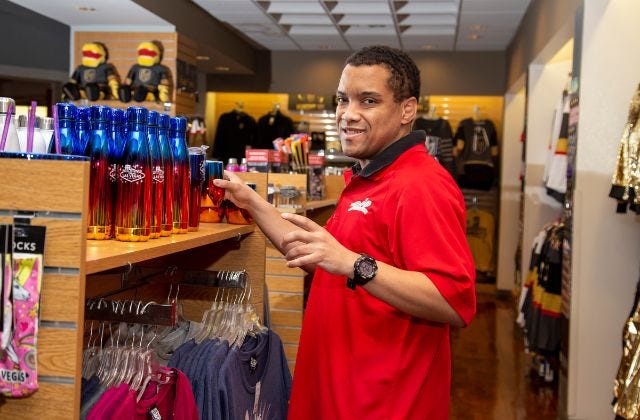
(302, 222)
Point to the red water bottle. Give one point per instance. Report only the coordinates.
(181, 174)
(100, 199)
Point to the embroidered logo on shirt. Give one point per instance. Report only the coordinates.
(360, 205)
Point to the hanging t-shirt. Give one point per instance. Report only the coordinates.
(480, 236)
(254, 381)
(438, 133)
(476, 162)
(235, 131)
(270, 127)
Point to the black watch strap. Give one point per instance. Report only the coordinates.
(364, 270)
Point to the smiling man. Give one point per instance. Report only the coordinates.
(392, 269)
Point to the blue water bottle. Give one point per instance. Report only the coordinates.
(181, 174)
(83, 129)
(69, 145)
(167, 161)
(133, 207)
(100, 198)
(157, 173)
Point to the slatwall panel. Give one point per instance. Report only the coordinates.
(59, 344)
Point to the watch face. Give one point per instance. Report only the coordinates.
(367, 268)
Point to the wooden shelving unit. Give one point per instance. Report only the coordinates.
(55, 194)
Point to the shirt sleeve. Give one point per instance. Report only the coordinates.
(428, 235)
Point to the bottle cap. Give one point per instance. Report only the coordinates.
(153, 118)
(46, 123)
(100, 113)
(137, 114)
(4, 105)
(117, 116)
(22, 121)
(66, 111)
(232, 161)
(178, 124)
(163, 121)
(38, 122)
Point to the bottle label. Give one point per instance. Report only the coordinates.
(130, 174)
(158, 174)
(113, 172)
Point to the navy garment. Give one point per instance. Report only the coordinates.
(258, 366)
(88, 388)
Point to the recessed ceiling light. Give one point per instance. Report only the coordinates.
(323, 47)
(474, 37)
(478, 28)
(86, 9)
(429, 47)
(222, 68)
(203, 57)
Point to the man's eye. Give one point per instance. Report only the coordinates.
(342, 100)
(368, 101)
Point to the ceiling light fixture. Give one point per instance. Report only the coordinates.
(203, 58)
(222, 68)
(428, 47)
(478, 28)
(474, 37)
(323, 47)
(86, 9)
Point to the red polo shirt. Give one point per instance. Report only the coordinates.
(360, 358)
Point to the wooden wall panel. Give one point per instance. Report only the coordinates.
(60, 298)
(284, 284)
(57, 352)
(51, 401)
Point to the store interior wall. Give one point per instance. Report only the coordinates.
(606, 245)
(544, 20)
(510, 171)
(35, 47)
(442, 73)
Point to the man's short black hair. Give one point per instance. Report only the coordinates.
(405, 76)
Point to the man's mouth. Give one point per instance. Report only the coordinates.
(351, 131)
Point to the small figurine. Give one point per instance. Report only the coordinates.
(148, 80)
(94, 79)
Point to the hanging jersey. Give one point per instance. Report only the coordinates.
(478, 143)
(439, 140)
(555, 177)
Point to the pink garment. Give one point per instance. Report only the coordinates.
(173, 401)
(108, 403)
(18, 362)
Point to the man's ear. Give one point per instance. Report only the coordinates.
(409, 110)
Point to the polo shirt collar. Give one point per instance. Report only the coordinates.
(390, 154)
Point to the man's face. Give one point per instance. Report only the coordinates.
(368, 118)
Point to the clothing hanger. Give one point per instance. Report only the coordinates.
(432, 114)
(239, 107)
(476, 112)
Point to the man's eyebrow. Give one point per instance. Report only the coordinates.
(365, 93)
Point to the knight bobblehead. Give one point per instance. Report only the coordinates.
(95, 78)
(148, 80)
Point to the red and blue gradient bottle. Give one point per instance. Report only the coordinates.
(100, 199)
(167, 161)
(181, 174)
(157, 174)
(116, 148)
(69, 144)
(133, 207)
(83, 127)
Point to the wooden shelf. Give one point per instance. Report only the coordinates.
(105, 255)
(296, 210)
(318, 204)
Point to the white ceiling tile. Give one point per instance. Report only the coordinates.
(361, 7)
(313, 30)
(371, 30)
(366, 20)
(480, 47)
(295, 7)
(480, 5)
(326, 43)
(240, 18)
(428, 43)
(310, 19)
(433, 19)
(219, 6)
(363, 41)
(431, 30)
(426, 8)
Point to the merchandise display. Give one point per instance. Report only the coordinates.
(167, 162)
(476, 152)
(555, 170)
(68, 143)
(197, 171)
(181, 174)
(157, 174)
(439, 139)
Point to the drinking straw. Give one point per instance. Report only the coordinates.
(31, 127)
(56, 129)
(5, 130)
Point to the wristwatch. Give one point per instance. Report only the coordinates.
(364, 270)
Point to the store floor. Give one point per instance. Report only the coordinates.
(491, 372)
